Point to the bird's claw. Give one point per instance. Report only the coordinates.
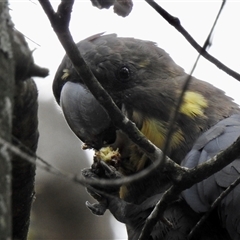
(109, 173)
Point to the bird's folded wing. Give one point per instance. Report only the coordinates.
(202, 195)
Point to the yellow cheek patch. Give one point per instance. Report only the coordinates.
(193, 104)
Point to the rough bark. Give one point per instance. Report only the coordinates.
(6, 101)
(25, 136)
(18, 125)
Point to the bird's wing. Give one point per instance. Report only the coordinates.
(202, 195)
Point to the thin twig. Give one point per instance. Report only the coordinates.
(174, 115)
(31, 158)
(167, 198)
(175, 22)
(193, 176)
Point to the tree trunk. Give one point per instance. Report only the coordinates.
(6, 108)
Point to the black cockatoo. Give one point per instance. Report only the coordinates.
(145, 83)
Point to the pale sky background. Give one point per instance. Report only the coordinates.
(196, 17)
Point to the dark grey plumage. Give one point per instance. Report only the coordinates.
(145, 83)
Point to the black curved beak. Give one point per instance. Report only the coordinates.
(85, 116)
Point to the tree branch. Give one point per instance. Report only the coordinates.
(175, 22)
(188, 179)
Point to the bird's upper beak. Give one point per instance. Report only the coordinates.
(85, 116)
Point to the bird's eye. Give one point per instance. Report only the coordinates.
(124, 74)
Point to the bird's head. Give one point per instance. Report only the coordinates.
(127, 68)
